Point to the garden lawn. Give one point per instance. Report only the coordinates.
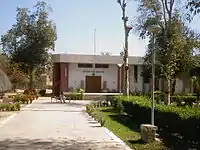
(128, 131)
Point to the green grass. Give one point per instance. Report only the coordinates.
(125, 128)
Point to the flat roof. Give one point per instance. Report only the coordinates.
(101, 59)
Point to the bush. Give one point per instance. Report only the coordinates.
(92, 111)
(182, 121)
(9, 107)
(89, 109)
(42, 92)
(119, 107)
(159, 96)
(76, 96)
(30, 91)
(23, 98)
(187, 100)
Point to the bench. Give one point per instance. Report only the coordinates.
(56, 98)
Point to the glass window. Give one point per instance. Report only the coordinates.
(101, 66)
(84, 65)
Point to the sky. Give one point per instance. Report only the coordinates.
(76, 20)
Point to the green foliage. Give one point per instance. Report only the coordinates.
(77, 94)
(184, 121)
(9, 107)
(42, 92)
(174, 44)
(188, 100)
(29, 40)
(91, 109)
(194, 8)
(24, 98)
(19, 98)
(119, 107)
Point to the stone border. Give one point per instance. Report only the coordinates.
(111, 134)
(116, 138)
(4, 121)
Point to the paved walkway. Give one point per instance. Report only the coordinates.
(44, 125)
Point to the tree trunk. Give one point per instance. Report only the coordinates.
(173, 85)
(14, 87)
(167, 92)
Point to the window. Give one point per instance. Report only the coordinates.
(84, 65)
(101, 66)
(136, 73)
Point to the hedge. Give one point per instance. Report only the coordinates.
(182, 121)
(188, 100)
(180, 99)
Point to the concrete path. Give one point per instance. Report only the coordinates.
(44, 125)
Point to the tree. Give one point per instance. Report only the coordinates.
(15, 74)
(4, 61)
(173, 43)
(127, 29)
(193, 6)
(29, 40)
(12, 70)
(42, 71)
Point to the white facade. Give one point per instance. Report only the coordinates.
(110, 75)
(76, 75)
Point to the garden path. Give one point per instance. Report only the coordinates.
(44, 125)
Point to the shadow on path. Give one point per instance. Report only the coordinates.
(54, 144)
(72, 104)
(59, 110)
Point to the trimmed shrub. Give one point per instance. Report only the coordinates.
(76, 96)
(42, 92)
(182, 121)
(187, 100)
(119, 107)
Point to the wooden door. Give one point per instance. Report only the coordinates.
(93, 84)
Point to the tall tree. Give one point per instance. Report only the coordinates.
(193, 6)
(30, 39)
(15, 74)
(127, 29)
(171, 42)
(12, 70)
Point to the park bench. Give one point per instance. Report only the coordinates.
(57, 98)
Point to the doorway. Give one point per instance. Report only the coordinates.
(93, 84)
